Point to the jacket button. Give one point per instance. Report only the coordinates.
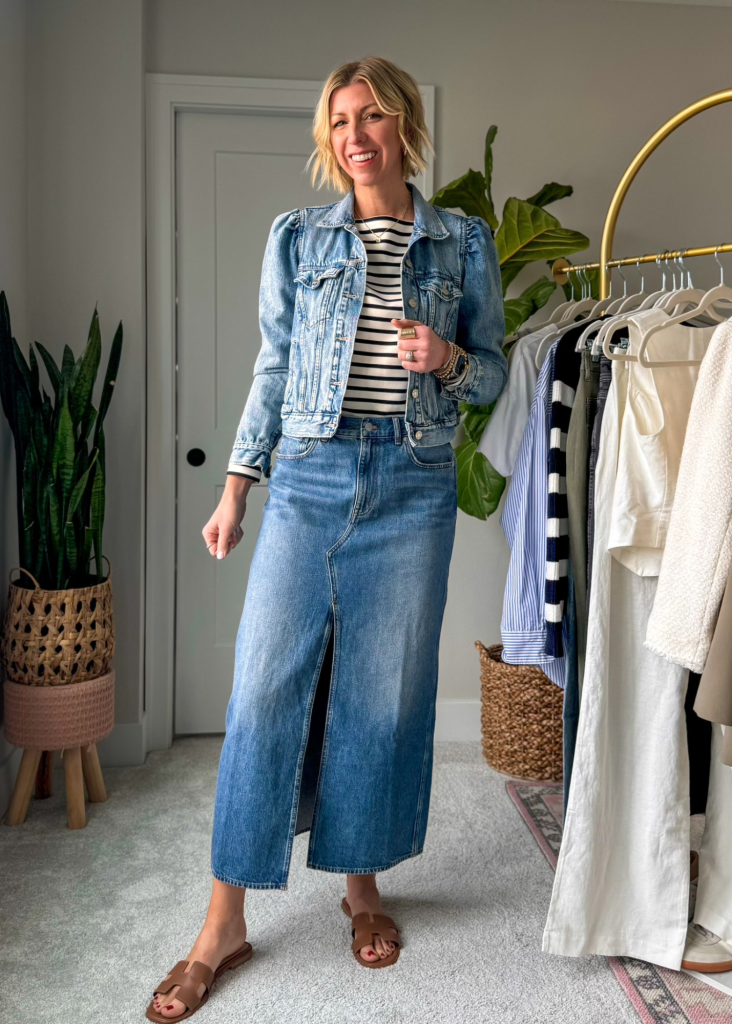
(413, 303)
(418, 434)
(415, 393)
(408, 262)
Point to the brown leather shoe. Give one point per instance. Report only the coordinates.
(189, 982)
(364, 927)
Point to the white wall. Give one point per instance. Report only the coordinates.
(14, 282)
(575, 87)
(86, 230)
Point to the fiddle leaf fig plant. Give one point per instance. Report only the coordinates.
(525, 234)
(59, 454)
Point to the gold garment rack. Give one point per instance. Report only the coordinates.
(561, 268)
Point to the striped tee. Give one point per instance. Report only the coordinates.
(377, 381)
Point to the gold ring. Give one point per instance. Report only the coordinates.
(405, 333)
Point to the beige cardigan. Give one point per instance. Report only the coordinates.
(698, 553)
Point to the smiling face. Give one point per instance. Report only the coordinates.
(365, 140)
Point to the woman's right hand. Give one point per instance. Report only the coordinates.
(223, 530)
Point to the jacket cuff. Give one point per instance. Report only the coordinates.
(462, 387)
(252, 458)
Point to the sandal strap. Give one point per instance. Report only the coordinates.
(365, 926)
(188, 982)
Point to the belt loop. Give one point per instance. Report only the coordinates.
(397, 430)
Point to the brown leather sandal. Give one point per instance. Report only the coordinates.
(364, 927)
(189, 982)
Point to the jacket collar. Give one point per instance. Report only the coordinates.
(426, 221)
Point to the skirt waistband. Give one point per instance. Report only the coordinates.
(387, 427)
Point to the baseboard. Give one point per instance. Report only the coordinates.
(457, 720)
(125, 747)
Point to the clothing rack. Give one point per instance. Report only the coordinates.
(561, 268)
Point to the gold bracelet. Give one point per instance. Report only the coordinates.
(446, 369)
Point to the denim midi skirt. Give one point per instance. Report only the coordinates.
(331, 719)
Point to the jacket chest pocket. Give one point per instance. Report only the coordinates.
(317, 292)
(439, 301)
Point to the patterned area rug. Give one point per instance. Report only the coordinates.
(660, 996)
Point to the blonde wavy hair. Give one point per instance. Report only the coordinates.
(395, 92)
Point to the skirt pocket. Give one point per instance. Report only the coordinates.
(295, 447)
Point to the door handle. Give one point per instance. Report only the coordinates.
(196, 456)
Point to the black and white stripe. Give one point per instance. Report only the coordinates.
(377, 381)
(563, 390)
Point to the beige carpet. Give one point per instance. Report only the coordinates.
(93, 919)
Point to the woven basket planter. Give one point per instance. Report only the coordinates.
(521, 718)
(53, 637)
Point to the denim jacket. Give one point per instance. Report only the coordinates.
(310, 297)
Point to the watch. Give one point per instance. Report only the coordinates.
(461, 363)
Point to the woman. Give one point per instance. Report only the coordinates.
(348, 580)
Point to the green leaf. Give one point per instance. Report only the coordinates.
(25, 373)
(35, 382)
(54, 514)
(30, 479)
(78, 490)
(86, 374)
(467, 194)
(7, 364)
(64, 452)
(475, 418)
(23, 433)
(490, 136)
(54, 374)
(70, 550)
(88, 538)
(87, 422)
(68, 363)
(550, 194)
(517, 311)
(528, 233)
(479, 485)
(110, 379)
(97, 504)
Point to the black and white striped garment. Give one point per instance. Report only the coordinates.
(563, 390)
(377, 381)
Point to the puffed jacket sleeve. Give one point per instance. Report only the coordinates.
(260, 426)
(480, 324)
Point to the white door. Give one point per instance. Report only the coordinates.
(234, 174)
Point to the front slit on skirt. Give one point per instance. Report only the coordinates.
(330, 723)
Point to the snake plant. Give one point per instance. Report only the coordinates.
(59, 454)
(525, 234)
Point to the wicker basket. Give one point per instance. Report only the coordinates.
(521, 718)
(52, 637)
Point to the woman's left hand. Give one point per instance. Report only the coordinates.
(430, 351)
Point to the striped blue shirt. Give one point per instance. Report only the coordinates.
(524, 522)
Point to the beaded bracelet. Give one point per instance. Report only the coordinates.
(446, 371)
